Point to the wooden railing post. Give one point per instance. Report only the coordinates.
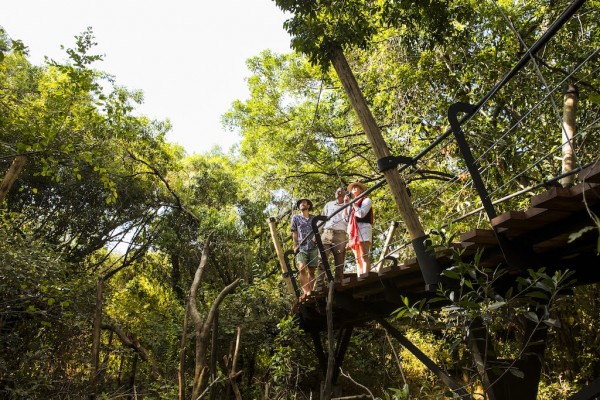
(388, 240)
(280, 254)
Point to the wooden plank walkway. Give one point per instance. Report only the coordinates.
(544, 228)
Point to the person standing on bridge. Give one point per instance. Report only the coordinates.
(360, 227)
(305, 247)
(334, 233)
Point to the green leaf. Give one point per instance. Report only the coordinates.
(538, 295)
(451, 274)
(517, 373)
(496, 305)
(552, 322)
(543, 286)
(576, 235)
(530, 315)
(594, 98)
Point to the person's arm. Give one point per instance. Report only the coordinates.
(364, 208)
(346, 209)
(326, 214)
(294, 229)
(295, 238)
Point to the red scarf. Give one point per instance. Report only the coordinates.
(353, 232)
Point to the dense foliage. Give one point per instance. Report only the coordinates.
(107, 219)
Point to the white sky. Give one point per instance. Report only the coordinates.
(187, 56)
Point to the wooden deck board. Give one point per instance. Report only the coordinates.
(514, 224)
(479, 236)
(590, 174)
(568, 199)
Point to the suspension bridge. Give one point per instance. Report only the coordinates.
(519, 207)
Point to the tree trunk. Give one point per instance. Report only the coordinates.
(388, 240)
(202, 327)
(213, 353)
(132, 390)
(327, 387)
(182, 348)
(176, 277)
(233, 374)
(11, 176)
(571, 96)
(97, 325)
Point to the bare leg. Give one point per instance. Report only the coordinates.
(320, 277)
(303, 277)
(366, 247)
(311, 280)
(359, 260)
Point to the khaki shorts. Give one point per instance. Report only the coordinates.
(336, 239)
(308, 257)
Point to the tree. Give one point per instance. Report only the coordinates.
(80, 190)
(202, 327)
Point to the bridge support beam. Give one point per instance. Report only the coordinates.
(433, 367)
(341, 346)
(590, 392)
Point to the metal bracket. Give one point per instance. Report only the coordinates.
(428, 264)
(468, 156)
(315, 230)
(394, 261)
(515, 255)
(389, 162)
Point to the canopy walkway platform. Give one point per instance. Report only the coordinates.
(545, 228)
(557, 233)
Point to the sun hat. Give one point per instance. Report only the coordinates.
(360, 185)
(310, 204)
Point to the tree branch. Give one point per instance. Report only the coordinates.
(131, 341)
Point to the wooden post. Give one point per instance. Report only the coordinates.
(571, 97)
(279, 250)
(428, 265)
(392, 176)
(327, 387)
(11, 175)
(386, 245)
